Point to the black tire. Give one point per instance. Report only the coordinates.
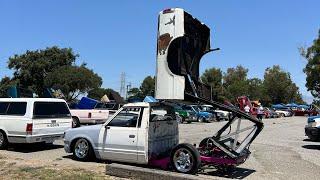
(88, 155)
(183, 119)
(3, 140)
(201, 119)
(75, 122)
(194, 160)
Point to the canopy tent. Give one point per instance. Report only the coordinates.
(278, 106)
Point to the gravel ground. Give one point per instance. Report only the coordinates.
(281, 151)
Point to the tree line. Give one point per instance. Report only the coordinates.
(56, 68)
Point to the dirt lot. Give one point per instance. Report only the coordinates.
(280, 152)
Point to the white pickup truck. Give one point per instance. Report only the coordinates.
(30, 120)
(142, 133)
(88, 116)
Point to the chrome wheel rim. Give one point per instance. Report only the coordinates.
(183, 160)
(81, 148)
(1, 139)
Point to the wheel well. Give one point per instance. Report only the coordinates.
(75, 117)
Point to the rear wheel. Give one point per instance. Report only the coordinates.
(3, 140)
(82, 150)
(75, 122)
(185, 158)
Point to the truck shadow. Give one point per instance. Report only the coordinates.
(236, 173)
(312, 147)
(30, 148)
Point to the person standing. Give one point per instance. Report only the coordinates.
(247, 109)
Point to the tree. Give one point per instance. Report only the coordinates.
(147, 87)
(213, 77)
(73, 80)
(255, 89)
(53, 67)
(135, 93)
(5, 83)
(235, 83)
(312, 68)
(279, 87)
(31, 68)
(98, 93)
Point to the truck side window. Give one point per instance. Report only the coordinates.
(128, 117)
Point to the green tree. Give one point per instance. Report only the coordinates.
(255, 89)
(213, 77)
(73, 80)
(147, 87)
(32, 67)
(53, 67)
(278, 86)
(5, 83)
(235, 83)
(312, 68)
(135, 92)
(98, 93)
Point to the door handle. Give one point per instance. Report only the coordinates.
(132, 136)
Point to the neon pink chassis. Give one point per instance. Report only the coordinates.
(164, 163)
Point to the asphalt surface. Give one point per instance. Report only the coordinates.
(281, 151)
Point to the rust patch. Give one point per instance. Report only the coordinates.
(163, 42)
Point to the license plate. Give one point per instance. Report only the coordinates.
(53, 125)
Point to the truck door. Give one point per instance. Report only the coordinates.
(121, 136)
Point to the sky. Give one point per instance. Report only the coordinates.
(120, 36)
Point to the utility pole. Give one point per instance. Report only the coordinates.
(123, 84)
(128, 89)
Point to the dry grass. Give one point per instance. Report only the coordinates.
(12, 171)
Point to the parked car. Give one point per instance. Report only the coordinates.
(31, 120)
(305, 112)
(111, 106)
(198, 114)
(185, 116)
(283, 113)
(312, 129)
(218, 114)
(269, 113)
(88, 116)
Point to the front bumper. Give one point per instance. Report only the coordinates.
(312, 132)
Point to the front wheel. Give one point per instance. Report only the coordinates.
(201, 119)
(185, 158)
(82, 150)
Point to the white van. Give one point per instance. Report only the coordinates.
(30, 120)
